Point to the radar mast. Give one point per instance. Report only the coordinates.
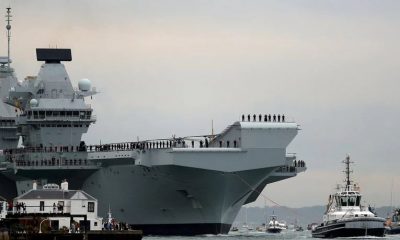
(8, 27)
(347, 171)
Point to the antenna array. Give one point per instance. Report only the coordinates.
(8, 27)
(347, 171)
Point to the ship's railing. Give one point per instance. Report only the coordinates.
(51, 163)
(189, 142)
(186, 142)
(287, 169)
(21, 208)
(290, 155)
(292, 168)
(62, 118)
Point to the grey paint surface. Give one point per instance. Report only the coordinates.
(144, 185)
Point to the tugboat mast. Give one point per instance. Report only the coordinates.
(8, 27)
(347, 171)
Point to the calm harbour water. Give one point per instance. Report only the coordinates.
(257, 236)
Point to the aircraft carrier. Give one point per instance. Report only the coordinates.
(174, 186)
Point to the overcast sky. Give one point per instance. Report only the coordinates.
(170, 67)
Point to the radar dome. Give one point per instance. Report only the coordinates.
(84, 85)
(33, 103)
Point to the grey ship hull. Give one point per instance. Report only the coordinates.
(165, 200)
(173, 191)
(8, 188)
(174, 200)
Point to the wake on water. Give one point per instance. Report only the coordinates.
(287, 235)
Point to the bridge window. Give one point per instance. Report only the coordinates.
(82, 115)
(352, 201)
(343, 201)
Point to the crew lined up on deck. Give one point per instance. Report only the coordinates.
(104, 147)
(162, 144)
(206, 143)
(299, 163)
(293, 167)
(265, 118)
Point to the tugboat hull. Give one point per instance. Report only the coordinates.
(351, 228)
(274, 230)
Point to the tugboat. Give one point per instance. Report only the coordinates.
(346, 217)
(393, 223)
(274, 225)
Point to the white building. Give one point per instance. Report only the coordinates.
(61, 203)
(3, 208)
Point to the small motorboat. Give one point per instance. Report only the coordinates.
(393, 223)
(275, 226)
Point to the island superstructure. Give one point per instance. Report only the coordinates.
(181, 185)
(8, 129)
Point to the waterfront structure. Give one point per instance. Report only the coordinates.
(59, 204)
(3, 208)
(180, 185)
(346, 217)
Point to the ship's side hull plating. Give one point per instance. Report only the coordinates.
(171, 199)
(8, 189)
(163, 200)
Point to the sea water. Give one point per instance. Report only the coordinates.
(288, 234)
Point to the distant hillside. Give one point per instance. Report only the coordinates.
(305, 215)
